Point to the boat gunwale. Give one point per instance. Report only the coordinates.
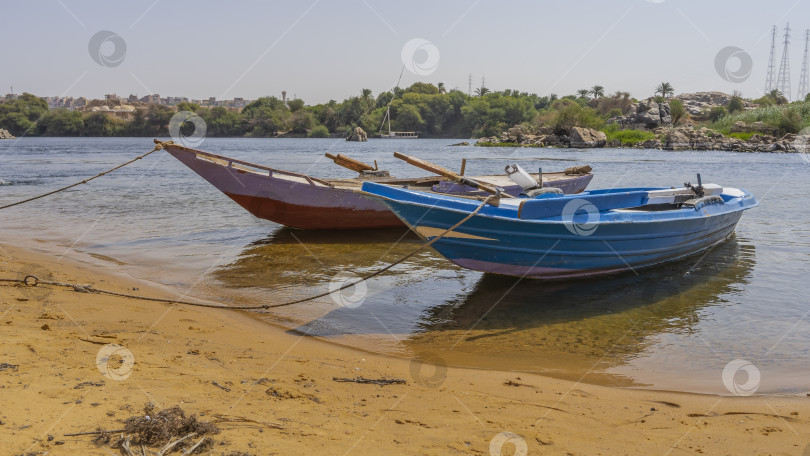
(272, 171)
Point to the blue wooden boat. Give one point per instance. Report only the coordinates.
(557, 236)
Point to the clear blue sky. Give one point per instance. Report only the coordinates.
(331, 49)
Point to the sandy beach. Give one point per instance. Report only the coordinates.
(277, 394)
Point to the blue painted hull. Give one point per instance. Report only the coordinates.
(537, 240)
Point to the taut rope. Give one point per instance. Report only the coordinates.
(158, 147)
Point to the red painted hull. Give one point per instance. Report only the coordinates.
(315, 217)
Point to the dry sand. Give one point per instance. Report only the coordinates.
(218, 362)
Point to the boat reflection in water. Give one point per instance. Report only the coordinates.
(565, 329)
(581, 329)
(291, 264)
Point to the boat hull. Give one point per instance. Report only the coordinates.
(497, 241)
(288, 199)
(299, 201)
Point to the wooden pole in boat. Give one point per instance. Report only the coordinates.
(427, 166)
(349, 163)
(463, 166)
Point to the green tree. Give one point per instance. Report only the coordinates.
(597, 91)
(791, 121)
(138, 126)
(665, 89)
(301, 121)
(100, 124)
(677, 111)
(319, 131)
(16, 123)
(265, 117)
(61, 122)
(186, 106)
(295, 104)
(717, 113)
(407, 118)
(20, 115)
(220, 121)
(735, 104)
(158, 117)
(583, 93)
(776, 96)
(423, 87)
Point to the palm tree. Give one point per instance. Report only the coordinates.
(441, 87)
(665, 89)
(776, 96)
(480, 92)
(583, 93)
(368, 101)
(598, 91)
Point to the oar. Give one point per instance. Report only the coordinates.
(349, 163)
(427, 166)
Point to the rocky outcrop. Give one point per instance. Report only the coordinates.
(699, 103)
(688, 138)
(4, 134)
(647, 114)
(764, 138)
(587, 138)
(357, 134)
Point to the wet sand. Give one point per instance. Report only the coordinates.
(220, 362)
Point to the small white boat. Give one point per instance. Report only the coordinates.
(396, 134)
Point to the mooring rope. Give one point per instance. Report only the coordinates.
(158, 147)
(33, 281)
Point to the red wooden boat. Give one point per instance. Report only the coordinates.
(301, 201)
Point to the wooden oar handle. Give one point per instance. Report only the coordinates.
(427, 166)
(349, 163)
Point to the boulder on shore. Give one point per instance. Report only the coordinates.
(357, 134)
(5, 134)
(677, 140)
(587, 138)
(647, 114)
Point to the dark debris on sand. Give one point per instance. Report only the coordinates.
(160, 428)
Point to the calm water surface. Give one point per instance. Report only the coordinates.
(672, 327)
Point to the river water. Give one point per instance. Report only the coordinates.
(673, 327)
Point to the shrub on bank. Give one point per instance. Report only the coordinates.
(628, 137)
(788, 118)
(318, 131)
